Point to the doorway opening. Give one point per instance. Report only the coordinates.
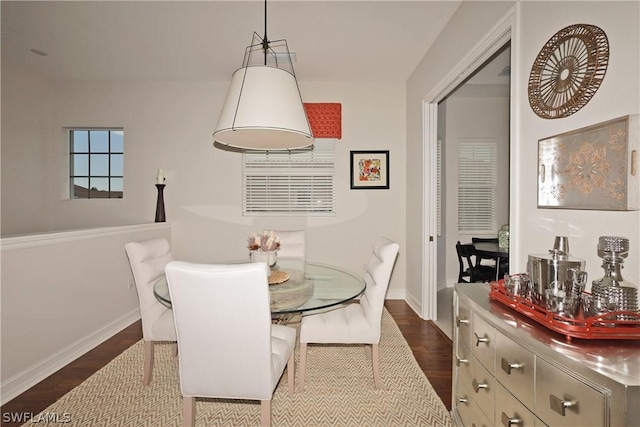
(434, 219)
(476, 110)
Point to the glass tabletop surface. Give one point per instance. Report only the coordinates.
(309, 286)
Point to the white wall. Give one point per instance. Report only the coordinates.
(618, 95)
(533, 229)
(47, 315)
(208, 221)
(168, 125)
(26, 126)
(63, 294)
(477, 118)
(78, 293)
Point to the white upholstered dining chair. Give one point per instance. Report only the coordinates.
(148, 259)
(228, 346)
(356, 323)
(293, 244)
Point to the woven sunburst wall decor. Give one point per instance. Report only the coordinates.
(568, 71)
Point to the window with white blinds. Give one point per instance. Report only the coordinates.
(477, 176)
(289, 183)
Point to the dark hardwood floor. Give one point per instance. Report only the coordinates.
(52, 388)
(431, 347)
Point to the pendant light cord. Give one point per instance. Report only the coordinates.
(265, 40)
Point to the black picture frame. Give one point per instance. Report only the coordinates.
(370, 170)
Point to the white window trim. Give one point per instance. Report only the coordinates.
(70, 165)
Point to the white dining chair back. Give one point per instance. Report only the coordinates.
(293, 244)
(227, 344)
(356, 323)
(377, 276)
(148, 259)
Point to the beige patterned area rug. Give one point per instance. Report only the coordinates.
(339, 391)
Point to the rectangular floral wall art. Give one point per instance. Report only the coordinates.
(369, 170)
(595, 167)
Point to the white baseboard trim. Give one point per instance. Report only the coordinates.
(31, 376)
(395, 294)
(415, 306)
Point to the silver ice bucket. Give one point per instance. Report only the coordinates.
(552, 270)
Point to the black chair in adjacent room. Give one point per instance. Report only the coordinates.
(474, 272)
(492, 262)
(504, 265)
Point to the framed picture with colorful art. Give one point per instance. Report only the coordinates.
(369, 170)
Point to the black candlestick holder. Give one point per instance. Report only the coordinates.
(160, 216)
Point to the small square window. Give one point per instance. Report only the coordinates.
(96, 163)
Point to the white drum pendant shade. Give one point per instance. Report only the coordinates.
(263, 111)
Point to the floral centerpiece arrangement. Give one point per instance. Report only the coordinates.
(265, 242)
(263, 247)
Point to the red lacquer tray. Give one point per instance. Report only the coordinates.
(597, 327)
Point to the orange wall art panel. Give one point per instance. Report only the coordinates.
(325, 119)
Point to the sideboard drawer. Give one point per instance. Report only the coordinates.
(515, 369)
(481, 387)
(478, 418)
(463, 361)
(562, 400)
(462, 323)
(469, 411)
(483, 341)
(462, 403)
(510, 412)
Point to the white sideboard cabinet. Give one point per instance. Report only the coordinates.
(510, 371)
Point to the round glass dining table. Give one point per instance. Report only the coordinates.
(309, 286)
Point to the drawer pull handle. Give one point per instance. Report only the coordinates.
(463, 400)
(508, 366)
(478, 386)
(559, 405)
(508, 422)
(461, 361)
(484, 339)
(460, 321)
